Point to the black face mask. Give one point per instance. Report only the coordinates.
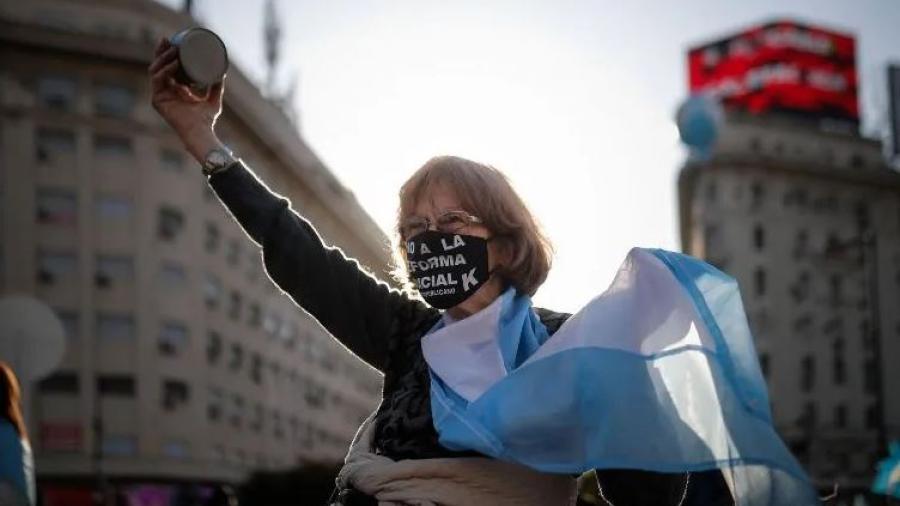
(447, 268)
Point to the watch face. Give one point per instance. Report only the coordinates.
(216, 158)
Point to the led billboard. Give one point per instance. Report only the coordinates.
(783, 67)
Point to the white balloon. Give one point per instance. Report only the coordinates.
(32, 338)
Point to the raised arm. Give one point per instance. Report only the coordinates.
(360, 311)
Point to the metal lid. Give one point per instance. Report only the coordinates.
(203, 56)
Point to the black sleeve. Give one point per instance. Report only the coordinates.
(360, 311)
(636, 486)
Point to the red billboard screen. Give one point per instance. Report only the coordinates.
(782, 66)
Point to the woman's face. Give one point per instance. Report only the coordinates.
(439, 199)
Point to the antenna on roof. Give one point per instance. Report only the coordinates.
(272, 36)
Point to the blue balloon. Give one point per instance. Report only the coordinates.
(698, 120)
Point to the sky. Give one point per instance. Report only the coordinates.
(573, 100)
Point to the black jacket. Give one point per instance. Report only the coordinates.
(379, 324)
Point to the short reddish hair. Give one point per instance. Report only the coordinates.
(486, 193)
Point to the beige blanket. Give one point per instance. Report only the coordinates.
(450, 481)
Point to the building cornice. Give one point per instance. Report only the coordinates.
(880, 178)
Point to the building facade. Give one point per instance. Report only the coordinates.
(184, 361)
(808, 222)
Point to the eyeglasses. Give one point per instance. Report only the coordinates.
(450, 222)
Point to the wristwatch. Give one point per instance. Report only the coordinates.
(218, 160)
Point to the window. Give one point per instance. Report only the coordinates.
(289, 334)
(801, 244)
(711, 191)
(839, 368)
(110, 208)
(56, 207)
(233, 252)
(69, 321)
(328, 361)
(808, 419)
(256, 422)
(113, 270)
(214, 404)
(53, 145)
(113, 327)
(834, 325)
(796, 197)
(835, 289)
(56, 268)
(171, 160)
(57, 92)
(212, 291)
(213, 347)
(799, 289)
(237, 408)
(256, 368)
(840, 416)
(759, 281)
(314, 395)
(807, 373)
(756, 195)
(277, 427)
(234, 305)
(861, 213)
(237, 356)
(173, 337)
(116, 385)
(759, 237)
(211, 244)
(827, 153)
(175, 394)
(253, 266)
(870, 376)
(825, 203)
(112, 147)
(172, 276)
(271, 324)
(65, 383)
(872, 417)
(113, 100)
(118, 445)
(255, 318)
(175, 448)
(755, 145)
(865, 332)
(170, 222)
(711, 238)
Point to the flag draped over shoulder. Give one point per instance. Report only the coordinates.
(658, 372)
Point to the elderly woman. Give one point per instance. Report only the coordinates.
(479, 405)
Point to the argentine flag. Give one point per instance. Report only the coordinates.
(658, 373)
(887, 481)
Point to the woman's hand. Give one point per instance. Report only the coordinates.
(191, 116)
